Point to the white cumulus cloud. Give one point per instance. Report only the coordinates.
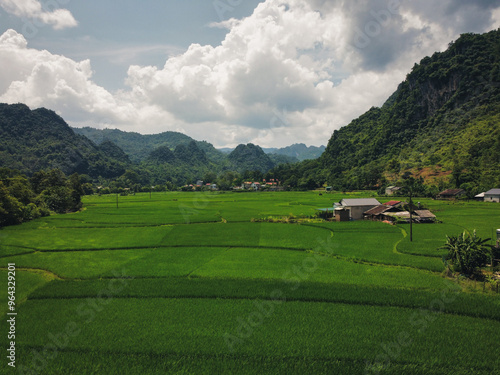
(57, 18)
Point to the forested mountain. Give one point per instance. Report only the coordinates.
(250, 158)
(299, 151)
(442, 124)
(293, 153)
(139, 146)
(31, 141)
(180, 152)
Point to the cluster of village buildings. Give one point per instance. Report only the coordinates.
(371, 209)
(271, 185)
(394, 210)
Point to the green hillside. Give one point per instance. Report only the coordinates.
(444, 116)
(249, 158)
(298, 151)
(442, 124)
(139, 146)
(31, 141)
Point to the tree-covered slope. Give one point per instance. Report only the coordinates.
(250, 158)
(31, 141)
(139, 146)
(298, 151)
(444, 116)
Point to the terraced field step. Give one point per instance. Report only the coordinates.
(121, 362)
(201, 327)
(449, 300)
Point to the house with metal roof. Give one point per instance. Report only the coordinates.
(492, 195)
(357, 207)
(451, 194)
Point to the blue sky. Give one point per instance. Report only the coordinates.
(271, 72)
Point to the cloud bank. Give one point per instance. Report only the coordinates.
(293, 71)
(33, 9)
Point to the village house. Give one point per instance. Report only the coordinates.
(255, 186)
(451, 194)
(492, 195)
(357, 207)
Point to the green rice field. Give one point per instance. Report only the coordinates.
(233, 283)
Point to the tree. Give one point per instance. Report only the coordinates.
(10, 209)
(466, 252)
(75, 186)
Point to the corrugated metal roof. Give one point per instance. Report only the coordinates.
(425, 214)
(451, 192)
(392, 203)
(377, 210)
(360, 202)
(493, 192)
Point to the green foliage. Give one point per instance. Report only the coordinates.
(23, 200)
(466, 252)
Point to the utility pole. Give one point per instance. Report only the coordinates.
(409, 183)
(411, 216)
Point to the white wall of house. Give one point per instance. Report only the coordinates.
(492, 198)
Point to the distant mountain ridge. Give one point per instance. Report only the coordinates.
(297, 151)
(138, 146)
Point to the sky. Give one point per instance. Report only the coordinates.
(269, 72)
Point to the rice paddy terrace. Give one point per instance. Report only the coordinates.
(212, 283)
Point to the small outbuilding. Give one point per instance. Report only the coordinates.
(425, 216)
(342, 214)
(377, 213)
(492, 195)
(451, 194)
(479, 197)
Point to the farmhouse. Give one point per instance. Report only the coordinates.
(424, 216)
(357, 207)
(451, 194)
(492, 195)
